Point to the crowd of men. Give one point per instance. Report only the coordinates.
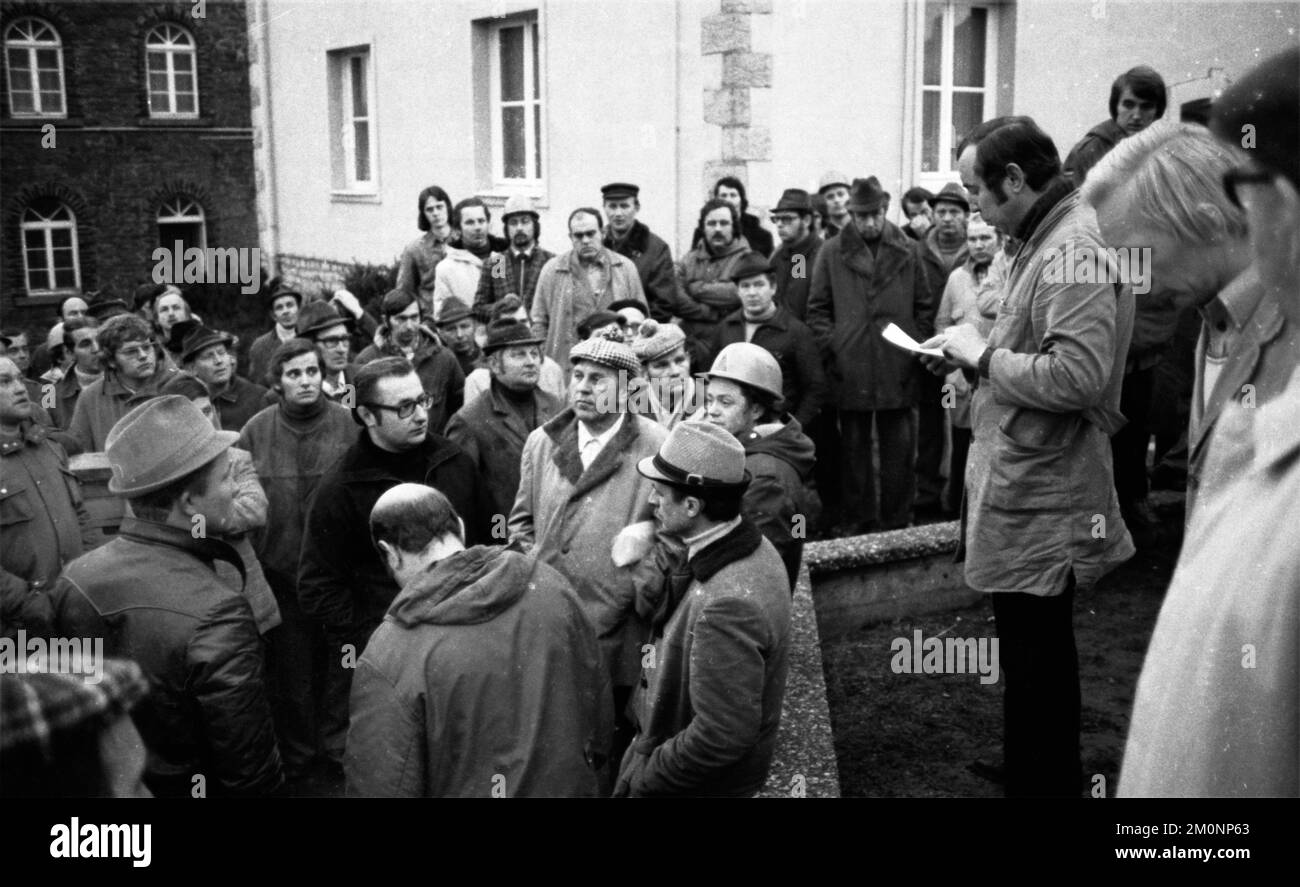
(531, 523)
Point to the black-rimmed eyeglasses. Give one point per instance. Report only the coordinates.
(1244, 175)
(405, 409)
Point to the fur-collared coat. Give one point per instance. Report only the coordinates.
(570, 516)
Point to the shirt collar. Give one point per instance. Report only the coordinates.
(284, 335)
(697, 543)
(585, 435)
(1235, 304)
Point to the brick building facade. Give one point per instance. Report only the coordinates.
(125, 127)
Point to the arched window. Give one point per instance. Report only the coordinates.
(173, 72)
(50, 248)
(34, 58)
(181, 219)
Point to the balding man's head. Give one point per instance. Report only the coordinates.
(410, 516)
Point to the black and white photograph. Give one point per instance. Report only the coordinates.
(806, 399)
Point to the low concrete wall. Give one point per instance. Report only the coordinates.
(805, 764)
(880, 577)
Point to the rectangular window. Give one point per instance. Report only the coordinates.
(516, 98)
(958, 81)
(352, 99)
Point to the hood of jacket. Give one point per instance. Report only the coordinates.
(467, 588)
(783, 440)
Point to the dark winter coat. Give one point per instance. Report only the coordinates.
(654, 263)
(795, 349)
(781, 498)
(43, 526)
(794, 270)
(855, 295)
(492, 433)
(291, 455)
(239, 403)
(1091, 148)
(484, 680)
(341, 579)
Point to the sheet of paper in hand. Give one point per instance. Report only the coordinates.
(895, 336)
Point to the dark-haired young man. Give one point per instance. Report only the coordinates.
(292, 444)
(341, 579)
(1137, 99)
(1042, 517)
(732, 190)
(418, 266)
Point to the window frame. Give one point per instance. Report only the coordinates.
(48, 227)
(176, 218)
(169, 53)
(346, 135)
(535, 147)
(948, 138)
(32, 45)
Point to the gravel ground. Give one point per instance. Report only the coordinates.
(905, 735)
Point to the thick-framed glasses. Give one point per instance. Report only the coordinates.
(333, 341)
(405, 409)
(1244, 175)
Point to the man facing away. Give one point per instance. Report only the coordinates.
(485, 678)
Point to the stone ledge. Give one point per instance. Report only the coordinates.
(879, 548)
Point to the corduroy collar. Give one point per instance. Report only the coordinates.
(206, 550)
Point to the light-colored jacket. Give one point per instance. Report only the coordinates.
(1040, 483)
(569, 517)
(965, 301)
(1257, 367)
(457, 275)
(561, 302)
(1217, 710)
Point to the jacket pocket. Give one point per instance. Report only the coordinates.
(1029, 467)
(14, 506)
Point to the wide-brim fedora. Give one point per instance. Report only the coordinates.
(698, 454)
(159, 442)
(866, 195)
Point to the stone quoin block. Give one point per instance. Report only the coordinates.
(747, 69)
(746, 143)
(724, 33)
(726, 107)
